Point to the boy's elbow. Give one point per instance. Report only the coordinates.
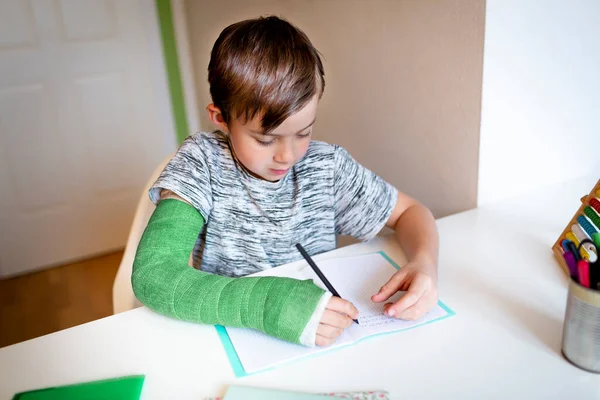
(137, 284)
(152, 281)
(142, 282)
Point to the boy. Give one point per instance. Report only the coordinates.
(240, 198)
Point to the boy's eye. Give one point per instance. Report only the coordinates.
(265, 143)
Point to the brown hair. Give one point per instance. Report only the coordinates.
(265, 67)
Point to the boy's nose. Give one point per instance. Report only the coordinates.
(285, 155)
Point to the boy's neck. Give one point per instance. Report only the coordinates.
(237, 160)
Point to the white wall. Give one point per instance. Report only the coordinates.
(540, 121)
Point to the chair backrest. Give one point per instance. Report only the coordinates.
(123, 297)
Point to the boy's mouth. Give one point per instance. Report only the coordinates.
(279, 172)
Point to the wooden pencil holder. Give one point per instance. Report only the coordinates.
(585, 202)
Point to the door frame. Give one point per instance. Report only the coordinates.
(177, 67)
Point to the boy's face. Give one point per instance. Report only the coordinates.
(270, 156)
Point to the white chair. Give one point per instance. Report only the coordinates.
(123, 297)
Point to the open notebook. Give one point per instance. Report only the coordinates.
(356, 279)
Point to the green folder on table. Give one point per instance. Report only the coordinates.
(124, 388)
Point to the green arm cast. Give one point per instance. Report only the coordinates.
(163, 281)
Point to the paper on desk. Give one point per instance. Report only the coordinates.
(356, 279)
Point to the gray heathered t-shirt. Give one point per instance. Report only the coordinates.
(252, 224)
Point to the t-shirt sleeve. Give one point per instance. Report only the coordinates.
(363, 200)
(188, 176)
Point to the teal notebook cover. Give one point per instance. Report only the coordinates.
(248, 393)
(238, 368)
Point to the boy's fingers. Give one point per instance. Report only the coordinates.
(329, 331)
(414, 293)
(426, 303)
(322, 341)
(342, 306)
(390, 288)
(413, 312)
(336, 319)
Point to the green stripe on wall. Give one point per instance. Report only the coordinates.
(167, 33)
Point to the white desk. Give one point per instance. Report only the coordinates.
(496, 271)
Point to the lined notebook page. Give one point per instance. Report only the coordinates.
(356, 279)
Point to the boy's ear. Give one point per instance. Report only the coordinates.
(216, 117)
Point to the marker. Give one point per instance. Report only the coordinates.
(585, 254)
(595, 275)
(572, 264)
(592, 268)
(573, 249)
(583, 269)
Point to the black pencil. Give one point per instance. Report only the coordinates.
(319, 273)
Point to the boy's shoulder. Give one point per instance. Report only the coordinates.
(319, 156)
(322, 160)
(210, 146)
(209, 140)
(318, 148)
(330, 154)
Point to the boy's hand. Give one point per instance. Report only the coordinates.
(419, 282)
(337, 316)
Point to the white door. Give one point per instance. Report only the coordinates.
(80, 128)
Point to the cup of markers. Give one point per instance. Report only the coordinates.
(581, 329)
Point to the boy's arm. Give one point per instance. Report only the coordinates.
(417, 234)
(163, 281)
